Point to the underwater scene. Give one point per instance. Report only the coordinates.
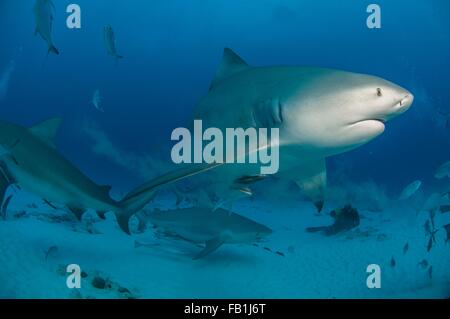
(224, 149)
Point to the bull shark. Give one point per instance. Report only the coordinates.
(97, 100)
(202, 226)
(33, 163)
(319, 113)
(110, 42)
(43, 13)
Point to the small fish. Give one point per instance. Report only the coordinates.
(443, 170)
(138, 244)
(97, 100)
(430, 272)
(279, 253)
(393, 263)
(423, 263)
(410, 189)
(444, 209)
(267, 248)
(447, 231)
(50, 251)
(249, 179)
(406, 248)
(430, 244)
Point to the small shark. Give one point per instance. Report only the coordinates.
(212, 228)
(110, 42)
(36, 166)
(319, 113)
(97, 100)
(43, 13)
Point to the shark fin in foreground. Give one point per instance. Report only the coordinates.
(138, 198)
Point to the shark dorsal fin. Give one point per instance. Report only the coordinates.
(46, 130)
(230, 65)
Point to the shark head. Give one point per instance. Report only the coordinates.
(337, 111)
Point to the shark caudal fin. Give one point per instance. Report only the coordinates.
(139, 197)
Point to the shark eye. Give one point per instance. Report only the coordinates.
(379, 93)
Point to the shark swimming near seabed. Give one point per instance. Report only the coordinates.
(33, 163)
(319, 113)
(43, 13)
(213, 229)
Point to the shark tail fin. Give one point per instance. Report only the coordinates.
(53, 49)
(139, 197)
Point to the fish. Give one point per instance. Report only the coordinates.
(430, 230)
(97, 100)
(409, 190)
(110, 42)
(138, 244)
(393, 262)
(444, 209)
(50, 251)
(43, 14)
(423, 263)
(443, 171)
(406, 248)
(430, 272)
(44, 172)
(212, 228)
(430, 244)
(447, 232)
(309, 106)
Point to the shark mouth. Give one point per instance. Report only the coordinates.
(398, 108)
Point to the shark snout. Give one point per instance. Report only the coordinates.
(406, 101)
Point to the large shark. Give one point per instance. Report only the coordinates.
(319, 113)
(43, 13)
(33, 163)
(201, 225)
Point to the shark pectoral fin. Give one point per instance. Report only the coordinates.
(312, 180)
(211, 246)
(46, 130)
(77, 211)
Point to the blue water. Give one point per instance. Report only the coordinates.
(171, 51)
